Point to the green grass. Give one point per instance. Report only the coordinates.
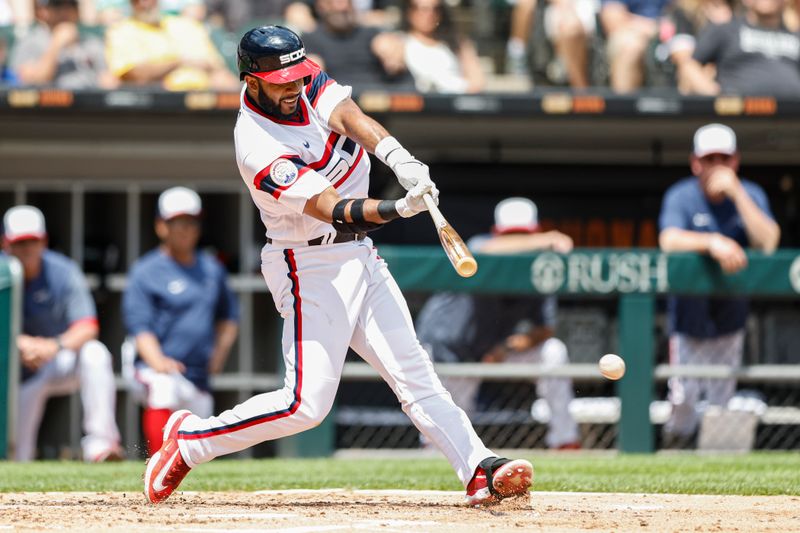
(758, 473)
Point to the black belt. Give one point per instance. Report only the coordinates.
(340, 238)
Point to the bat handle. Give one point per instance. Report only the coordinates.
(429, 203)
(433, 210)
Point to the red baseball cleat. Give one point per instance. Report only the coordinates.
(497, 478)
(166, 468)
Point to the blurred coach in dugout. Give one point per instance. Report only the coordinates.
(713, 212)
(461, 327)
(182, 314)
(58, 346)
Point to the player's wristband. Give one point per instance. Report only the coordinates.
(402, 208)
(387, 209)
(390, 152)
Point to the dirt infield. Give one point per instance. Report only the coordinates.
(395, 511)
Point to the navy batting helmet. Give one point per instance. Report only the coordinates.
(274, 54)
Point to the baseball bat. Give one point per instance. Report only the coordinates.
(457, 252)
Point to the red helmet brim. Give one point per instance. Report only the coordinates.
(290, 73)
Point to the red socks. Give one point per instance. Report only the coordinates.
(153, 422)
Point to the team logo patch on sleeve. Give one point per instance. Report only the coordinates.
(283, 172)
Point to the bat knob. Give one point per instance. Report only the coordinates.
(466, 267)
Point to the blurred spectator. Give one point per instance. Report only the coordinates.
(353, 54)
(754, 54)
(568, 24)
(378, 13)
(461, 327)
(791, 16)
(234, 15)
(110, 12)
(21, 12)
(182, 315)
(89, 9)
(6, 14)
(630, 26)
(58, 346)
(7, 76)
(173, 51)
(193, 9)
(713, 212)
(55, 53)
(438, 57)
(685, 21)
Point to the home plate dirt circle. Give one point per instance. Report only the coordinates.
(306, 511)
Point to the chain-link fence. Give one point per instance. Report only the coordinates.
(764, 414)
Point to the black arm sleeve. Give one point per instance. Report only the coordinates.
(357, 224)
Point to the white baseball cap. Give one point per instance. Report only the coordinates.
(714, 139)
(179, 201)
(23, 222)
(515, 215)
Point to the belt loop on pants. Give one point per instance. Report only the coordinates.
(325, 239)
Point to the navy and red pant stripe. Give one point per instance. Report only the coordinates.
(298, 370)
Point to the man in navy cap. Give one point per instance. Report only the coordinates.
(58, 346)
(182, 314)
(717, 213)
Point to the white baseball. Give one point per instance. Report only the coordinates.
(612, 366)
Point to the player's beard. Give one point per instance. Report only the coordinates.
(271, 108)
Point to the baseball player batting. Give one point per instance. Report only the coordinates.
(301, 146)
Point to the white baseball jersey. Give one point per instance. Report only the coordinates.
(331, 296)
(286, 162)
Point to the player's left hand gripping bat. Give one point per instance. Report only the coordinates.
(453, 245)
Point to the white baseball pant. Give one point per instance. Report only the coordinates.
(91, 371)
(331, 297)
(171, 391)
(684, 393)
(556, 391)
